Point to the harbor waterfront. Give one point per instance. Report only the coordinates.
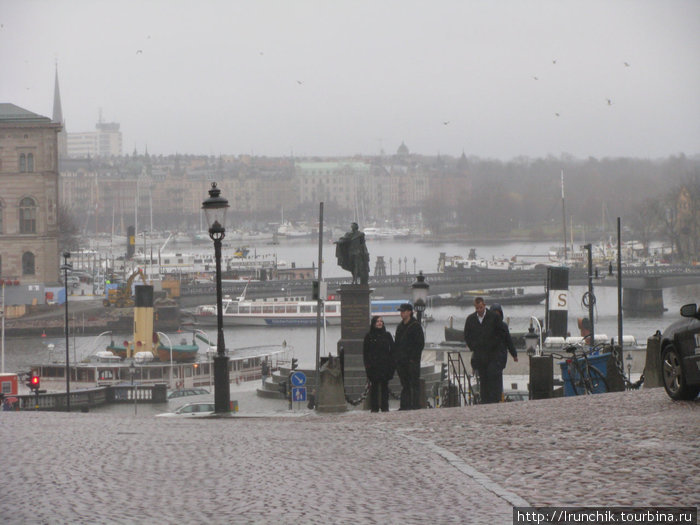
(22, 352)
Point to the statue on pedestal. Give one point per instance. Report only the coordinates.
(352, 254)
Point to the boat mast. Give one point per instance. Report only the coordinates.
(563, 212)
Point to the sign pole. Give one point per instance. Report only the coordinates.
(319, 301)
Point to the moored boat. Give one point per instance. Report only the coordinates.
(179, 353)
(284, 312)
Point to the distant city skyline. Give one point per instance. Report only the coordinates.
(497, 79)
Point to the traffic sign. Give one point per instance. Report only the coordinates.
(298, 378)
(299, 393)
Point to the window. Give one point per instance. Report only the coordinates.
(30, 162)
(22, 163)
(27, 263)
(0, 218)
(27, 215)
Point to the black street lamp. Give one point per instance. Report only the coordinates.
(215, 208)
(66, 268)
(419, 292)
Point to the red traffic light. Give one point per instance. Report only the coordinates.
(34, 382)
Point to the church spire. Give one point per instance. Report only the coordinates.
(57, 111)
(57, 118)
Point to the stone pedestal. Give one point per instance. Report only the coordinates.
(354, 324)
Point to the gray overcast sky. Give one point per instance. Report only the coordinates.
(340, 77)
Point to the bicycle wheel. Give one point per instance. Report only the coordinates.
(577, 380)
(595, 381)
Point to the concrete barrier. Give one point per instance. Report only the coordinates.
(331, 392)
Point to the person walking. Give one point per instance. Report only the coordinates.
(506, 347)
(483, 334)
(408, 347)
(377, 354)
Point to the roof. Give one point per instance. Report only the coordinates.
(12, 113)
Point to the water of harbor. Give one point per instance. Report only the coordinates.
(20, 353)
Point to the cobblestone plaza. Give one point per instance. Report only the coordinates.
(457, 465)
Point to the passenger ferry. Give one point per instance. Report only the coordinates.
(285, 312)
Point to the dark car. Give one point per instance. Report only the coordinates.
(680, 355)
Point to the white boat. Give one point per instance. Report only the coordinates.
(284, 312)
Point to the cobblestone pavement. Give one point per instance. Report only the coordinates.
(459, 465)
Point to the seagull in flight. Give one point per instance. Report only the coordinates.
(446, 122)
(139, 52)
(609, 102)
(299, 82)
(554, 61)
(556, 115)
(535, 78)
(627, 64)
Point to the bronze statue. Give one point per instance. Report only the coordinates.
(352, 254)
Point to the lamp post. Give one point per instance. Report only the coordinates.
(533, 341)
(419, 292)
(66, 267)
(215, 208)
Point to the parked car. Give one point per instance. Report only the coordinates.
(184, 392)
(191, 410)
(680, 355)
(73, 281)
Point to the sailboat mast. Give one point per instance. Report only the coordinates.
(563, 212)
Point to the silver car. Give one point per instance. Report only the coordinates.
(191, 410)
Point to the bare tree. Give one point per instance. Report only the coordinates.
(68, 234)
(646, 220)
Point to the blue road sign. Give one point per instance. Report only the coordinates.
(298, 378)
(299, 393)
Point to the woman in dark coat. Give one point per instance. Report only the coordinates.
(379, 363)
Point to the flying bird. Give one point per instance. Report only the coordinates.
(554, 61)
(299, 82)
(446, 122)
(627, 64)
(139, 52)
(609, 102)
(556, 114)
(535, 78)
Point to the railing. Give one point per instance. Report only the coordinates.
(92, 397)
(457, 373)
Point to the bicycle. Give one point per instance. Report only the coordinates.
(584, 377)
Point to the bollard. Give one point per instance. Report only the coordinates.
(541, 377)
(652, 365)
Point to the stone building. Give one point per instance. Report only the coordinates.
(29, 251)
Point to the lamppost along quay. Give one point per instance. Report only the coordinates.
(215, 208)
(66, 267)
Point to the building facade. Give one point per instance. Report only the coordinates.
(29, 228)
(106, 141)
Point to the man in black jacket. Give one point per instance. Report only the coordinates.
(483, 334)
(408, 347)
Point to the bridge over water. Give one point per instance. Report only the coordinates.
(399, 286)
